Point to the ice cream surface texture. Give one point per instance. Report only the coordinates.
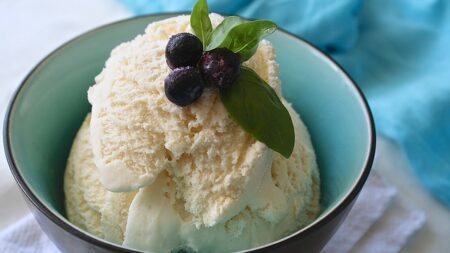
(148, 174)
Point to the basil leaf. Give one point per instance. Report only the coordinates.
(253, 104)
(200, 22)
(221, 31)
(244, 37)
(245, 55)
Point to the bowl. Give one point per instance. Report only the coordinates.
(50, 104)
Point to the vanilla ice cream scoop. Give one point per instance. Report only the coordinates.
(148, 174)
(136, 132)
(154, 220)
(89, 205)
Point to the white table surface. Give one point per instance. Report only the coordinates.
(31, 29)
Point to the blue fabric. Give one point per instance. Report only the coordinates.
(396, 50)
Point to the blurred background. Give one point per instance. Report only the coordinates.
(396, 50)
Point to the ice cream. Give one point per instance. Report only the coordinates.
(89, 205)
(150, 175)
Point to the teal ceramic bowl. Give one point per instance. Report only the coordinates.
(48, 108)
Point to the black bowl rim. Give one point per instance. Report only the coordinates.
(66, 226)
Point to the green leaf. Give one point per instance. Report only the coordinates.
(254, 105)
(244, 38)
(221, 31)
(200, 22)
(247, 54)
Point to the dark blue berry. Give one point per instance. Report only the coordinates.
(219, 67)
(182, 50)
(183, 86)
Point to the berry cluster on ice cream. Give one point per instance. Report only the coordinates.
(164, 164)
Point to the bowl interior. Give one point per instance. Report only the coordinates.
(52, 103)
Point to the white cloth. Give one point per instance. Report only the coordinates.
(25, 236)
(378, 223)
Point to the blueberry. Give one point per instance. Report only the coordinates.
(182, 50)
(219, 67)
(183, 86)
